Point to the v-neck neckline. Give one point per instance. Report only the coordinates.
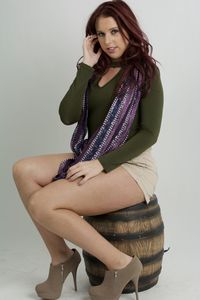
(108, 80)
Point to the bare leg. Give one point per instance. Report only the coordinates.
(60, 205)
(30, 175)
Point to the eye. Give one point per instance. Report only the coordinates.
(100, 34)
(114, 31)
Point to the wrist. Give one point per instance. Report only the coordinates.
(88, 63)
(100, 165)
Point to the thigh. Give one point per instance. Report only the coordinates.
(103, 193)
(41, 169)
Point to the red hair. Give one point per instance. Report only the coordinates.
(138, 52)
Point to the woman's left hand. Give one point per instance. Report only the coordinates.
(87, 169)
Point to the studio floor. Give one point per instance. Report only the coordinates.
(25, 263)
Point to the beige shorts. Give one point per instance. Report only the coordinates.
(143, 169)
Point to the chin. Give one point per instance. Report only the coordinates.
(114, 55)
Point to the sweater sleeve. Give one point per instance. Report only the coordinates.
(71, 105)
(151, 109)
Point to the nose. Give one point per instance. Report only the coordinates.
(108, 39)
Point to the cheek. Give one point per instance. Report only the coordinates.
(100, 42)
(103, 47)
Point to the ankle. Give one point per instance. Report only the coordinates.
(121, 263)
(61, 257)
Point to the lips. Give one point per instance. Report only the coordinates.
(111, 49)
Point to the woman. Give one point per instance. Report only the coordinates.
(117, 96)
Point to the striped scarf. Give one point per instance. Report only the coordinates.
(111, 134)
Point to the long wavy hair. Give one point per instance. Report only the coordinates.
(138, 53)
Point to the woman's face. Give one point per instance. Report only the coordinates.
(111, 40)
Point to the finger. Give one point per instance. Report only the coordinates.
(94, 39)
(74, 168)
(71, 178)
(99, 51)
(89, 37)
(91, 42)
(76, 175)
(81, 182)
(92, 36)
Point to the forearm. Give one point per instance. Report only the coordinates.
(131, 149)
(71, 105)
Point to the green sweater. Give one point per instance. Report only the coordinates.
(145, 127)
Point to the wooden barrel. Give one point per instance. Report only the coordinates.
(136, 230)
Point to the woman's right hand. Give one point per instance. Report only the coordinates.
(89, 56)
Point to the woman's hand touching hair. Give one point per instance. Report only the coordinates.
(89, 56)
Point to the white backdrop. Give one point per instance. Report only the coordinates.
(40, 42)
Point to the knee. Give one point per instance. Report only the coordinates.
(37, 208)
(21, 168)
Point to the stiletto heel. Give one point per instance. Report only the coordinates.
(115, 281)
(135, 281)
(74, 272)
(52, 287)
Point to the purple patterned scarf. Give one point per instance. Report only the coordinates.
(111, 134)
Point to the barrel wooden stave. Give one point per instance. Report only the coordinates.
(137, 230)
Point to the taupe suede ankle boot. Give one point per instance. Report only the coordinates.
(52, 287)
(115, 281)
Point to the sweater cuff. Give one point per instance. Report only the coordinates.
(107, 166)
(85, 67)
(84, 73)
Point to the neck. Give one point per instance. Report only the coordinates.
(116, 62)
